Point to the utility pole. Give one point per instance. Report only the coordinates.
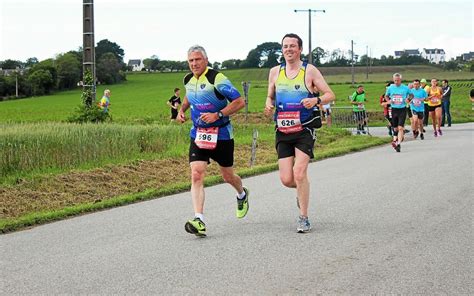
(370, 62)
(88, 45)
(310, 51)
(367, 62)
(16, 81)
(352, 61)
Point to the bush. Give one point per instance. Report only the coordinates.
(84, 114)
(89, 112)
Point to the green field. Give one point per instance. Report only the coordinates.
(142, 99)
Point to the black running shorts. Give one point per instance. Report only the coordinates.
(398, 116)
(223, 154)
(419, 114)
(433, 108)
(286, 144)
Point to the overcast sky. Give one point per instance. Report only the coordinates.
(230, 28)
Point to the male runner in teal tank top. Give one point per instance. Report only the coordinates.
(290, 96)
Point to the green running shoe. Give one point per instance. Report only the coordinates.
(243, 205)
(196, 226)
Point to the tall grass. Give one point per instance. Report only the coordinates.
(31, 147)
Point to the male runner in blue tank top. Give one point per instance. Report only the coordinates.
(290, 97)
(211, 98)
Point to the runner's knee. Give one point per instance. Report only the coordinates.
(287, 181)
(197, 175)
(300, 174)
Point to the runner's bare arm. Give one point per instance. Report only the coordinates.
(270, 101)
(184, 107)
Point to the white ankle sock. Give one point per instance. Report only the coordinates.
(241, 195)
(199, 215)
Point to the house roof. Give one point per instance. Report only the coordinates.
(433, 50)
(468, 56)
(399, 53)
(412, 51)
(134, 62)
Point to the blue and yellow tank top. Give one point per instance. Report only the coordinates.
(290, 92)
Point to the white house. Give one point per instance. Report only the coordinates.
(137, 65)
(436, 55)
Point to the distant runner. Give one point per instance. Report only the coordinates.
(418, 108)
(174, 102)
(387, 110)
(435, 94)
(397, 94)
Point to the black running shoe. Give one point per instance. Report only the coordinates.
(398, 148)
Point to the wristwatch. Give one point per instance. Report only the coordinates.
(318, 101)
(220, 114)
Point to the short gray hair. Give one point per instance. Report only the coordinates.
(197, 48)
(397, 75)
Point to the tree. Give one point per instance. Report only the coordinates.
(318, 55)
(337, 58)
(231, 64)
(41, 82)
(69, 70)
(451, 65)
(11, 64)
(252, 60)
(272, 60)
(45, 80)
(105, 46)
(7, 85)
(363, 60)
(152, 63)
(31, 62)
(109, 69)
(266, 54)
(47, 65)
(216, 65)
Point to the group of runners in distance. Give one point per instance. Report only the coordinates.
(418, 101)
(295, 90)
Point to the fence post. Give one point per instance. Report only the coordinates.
(253, 156)
(246, 86)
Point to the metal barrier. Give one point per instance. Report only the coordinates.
(344, 117)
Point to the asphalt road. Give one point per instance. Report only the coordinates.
(383, 222)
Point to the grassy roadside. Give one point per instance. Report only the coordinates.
(335, 144)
